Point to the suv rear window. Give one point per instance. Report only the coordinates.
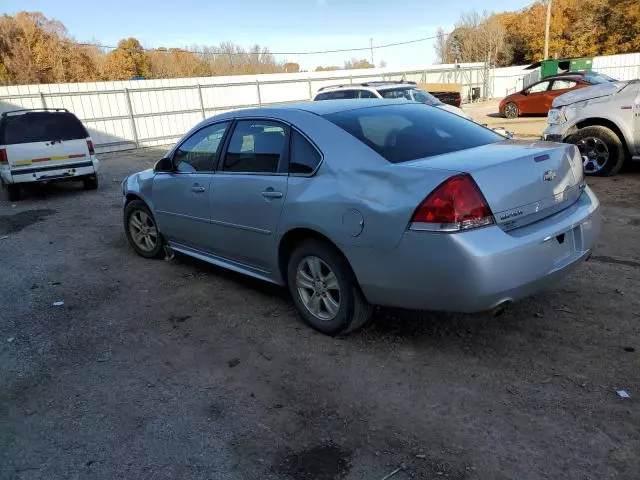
(409, 131)
(41, 127)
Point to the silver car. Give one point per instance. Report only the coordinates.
(367, 202)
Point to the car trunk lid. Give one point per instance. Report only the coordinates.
(523, 182)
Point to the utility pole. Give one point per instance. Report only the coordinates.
(371, 43)
(546, 30)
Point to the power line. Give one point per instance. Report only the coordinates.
(201, 52)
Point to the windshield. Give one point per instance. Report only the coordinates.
(410, 93)
(595, 77)
(408, 131)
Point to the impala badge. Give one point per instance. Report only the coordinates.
(549, 175)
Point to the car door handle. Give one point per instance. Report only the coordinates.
(271, 194)
(197, 189)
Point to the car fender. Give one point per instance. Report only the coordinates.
(139, 185)
(620, 123)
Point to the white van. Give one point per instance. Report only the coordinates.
(42, 145)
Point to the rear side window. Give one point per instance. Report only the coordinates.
(406, 132)
(255, 147)
(396, 93)
(563, 84)
(41, 127)
(338, 95)
(367, 94)
(304, 157)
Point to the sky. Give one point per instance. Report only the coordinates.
(281, 25)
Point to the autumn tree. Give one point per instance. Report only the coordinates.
(327, 69)
(127, 61)
(291, 67)
(354, 63)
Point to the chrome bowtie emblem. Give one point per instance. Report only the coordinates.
(549, 175)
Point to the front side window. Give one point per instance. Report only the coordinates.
(539, 87)
(563, 84)
(256, 146)
(304, 157)
(404, 132)
(197, 153)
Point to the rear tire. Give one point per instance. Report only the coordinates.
(14, 192)
(141, 230)
(603, 148)
(90, 182)
(325, 289)
(511, 110)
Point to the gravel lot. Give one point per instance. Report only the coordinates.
(178, 369)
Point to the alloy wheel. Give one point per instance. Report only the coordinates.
(143, 231)
(595, 154)
(318, 288)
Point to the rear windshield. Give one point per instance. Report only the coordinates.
(41, 127)
(409, 131)
(414, 94)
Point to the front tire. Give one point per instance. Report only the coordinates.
(601, 149)
(142, 231)
(325, 290)
(511, 110)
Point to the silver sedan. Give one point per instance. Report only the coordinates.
(359, 203)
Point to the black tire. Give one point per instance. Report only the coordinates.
(90, 182)
(14, 192)
(615, 149)
(511, 110)
(139, 206)
(353, 312)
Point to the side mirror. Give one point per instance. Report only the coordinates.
(525, 92)
(164, 165)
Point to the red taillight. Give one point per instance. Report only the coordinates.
(3, 156)
(90, 146)
(456, 204)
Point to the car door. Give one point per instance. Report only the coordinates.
(558, 87)
(248, 192)
(181, 197)
(534, 100)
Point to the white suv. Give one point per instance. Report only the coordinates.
(42, 145)
(388, 89)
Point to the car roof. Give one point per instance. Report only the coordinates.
(375, 85)
(327, 107)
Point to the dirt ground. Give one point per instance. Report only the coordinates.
(181, 370)
(486, 113)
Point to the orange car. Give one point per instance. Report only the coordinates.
(536, 98)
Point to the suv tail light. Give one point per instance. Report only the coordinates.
(90, 146)
(456, 204)
(3, 156)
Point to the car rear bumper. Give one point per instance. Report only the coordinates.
(44, 173)
(479, 269)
